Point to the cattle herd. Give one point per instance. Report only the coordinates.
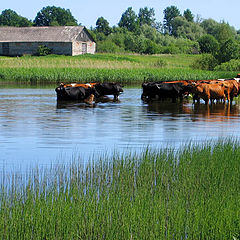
(220, 90)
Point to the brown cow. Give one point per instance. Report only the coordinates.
(231, 89)
(215, 91)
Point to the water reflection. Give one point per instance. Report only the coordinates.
(215, 112)
(61, 104)
(197, 112)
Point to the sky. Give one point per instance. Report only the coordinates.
(87, 12)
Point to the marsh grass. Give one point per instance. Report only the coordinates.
(103, 67)
(189, 194)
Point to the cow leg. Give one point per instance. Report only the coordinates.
(143, 96)
(206, 100)
(196, 98)
(231, 99)
(116, 97)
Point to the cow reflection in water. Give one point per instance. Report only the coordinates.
(197, 112)
(90, 102)
(166, 107)
(215, 112)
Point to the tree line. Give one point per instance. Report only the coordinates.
(141, 33)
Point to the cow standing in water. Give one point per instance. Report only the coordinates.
(82, 92)
(104, 89)
(77, 93)
(165, 90)
(215, 90)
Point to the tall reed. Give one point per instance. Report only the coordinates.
(163, 194)
(57, 75)
(103, 67)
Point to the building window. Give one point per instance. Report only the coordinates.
(82, 35)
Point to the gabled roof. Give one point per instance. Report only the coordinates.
(40, 34)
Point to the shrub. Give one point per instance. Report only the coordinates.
(208, 44)
(205, 62)
(108, 47)
(232, 65)
(43, 50)
(171, 49)
(228, 50)
(151, 47)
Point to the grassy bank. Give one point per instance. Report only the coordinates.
(191, 194)
(103, 67)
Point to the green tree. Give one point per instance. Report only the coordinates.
(54, 16)
(224, 32)
(230, 49)
(102, 25)
(188, 15)
(169, 14)
(146, 16)
(210, 26)
(129, 20)
(208, 44)
(149, 32)
(11, 18)
(185, 29)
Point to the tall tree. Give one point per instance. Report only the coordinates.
(54, 16)
(11, 18)
(146, 16)
(188, 15)
(224, 32)
(210, 26)
(169, 14)
(129, 20)
(102, 25)
(185, 29)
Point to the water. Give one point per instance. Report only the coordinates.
(35, 130)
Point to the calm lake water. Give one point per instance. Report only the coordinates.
(34, 129)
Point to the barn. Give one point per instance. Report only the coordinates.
(66, 40)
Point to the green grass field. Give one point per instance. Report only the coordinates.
(126, 69)
(163, 194)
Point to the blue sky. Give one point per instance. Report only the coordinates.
(87, 12)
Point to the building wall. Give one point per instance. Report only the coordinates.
(25, 48)
(78, 47)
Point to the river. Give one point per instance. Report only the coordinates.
(36, 130)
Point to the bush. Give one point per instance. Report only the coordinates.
(228, 50)
(208, 44)
(151, 47)
(43, 50)
(232, 66)
(171, 49)
(108, 47)
(205, 62)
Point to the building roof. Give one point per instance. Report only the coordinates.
(40, 34)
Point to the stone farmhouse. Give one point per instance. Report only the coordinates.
(67, 40)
